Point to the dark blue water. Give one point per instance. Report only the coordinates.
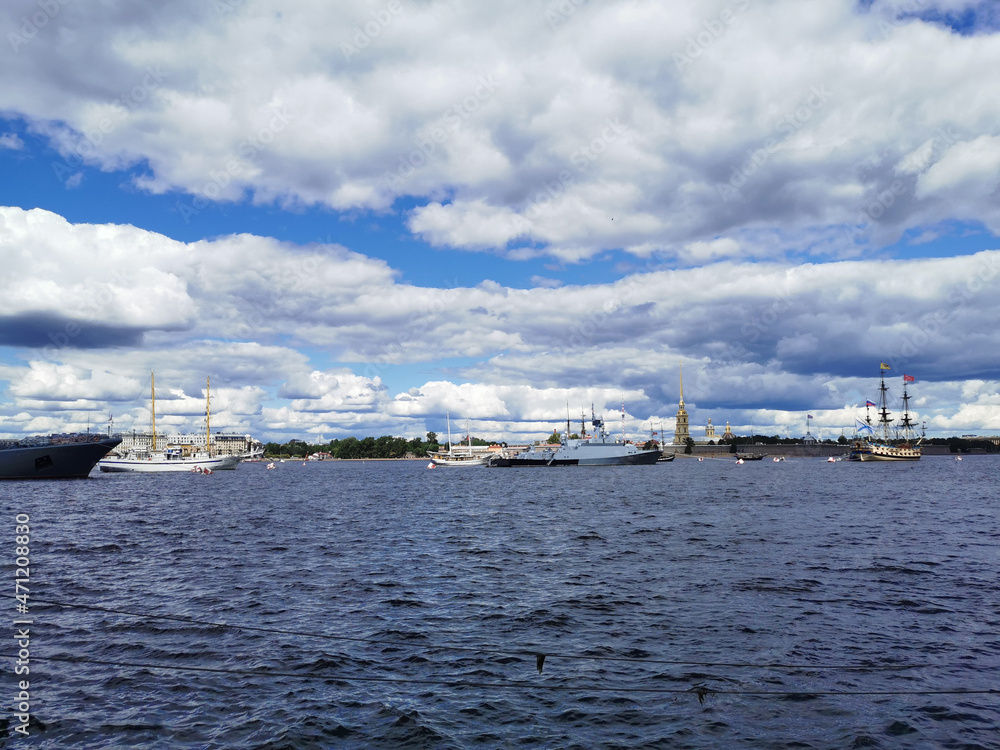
(801, 563)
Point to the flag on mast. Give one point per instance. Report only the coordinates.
(908, 379)
(884, 366)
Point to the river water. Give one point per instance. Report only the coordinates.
(382, 604)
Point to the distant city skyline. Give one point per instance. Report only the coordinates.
(358, 219)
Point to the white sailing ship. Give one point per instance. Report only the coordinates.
(462, 457)
(172, 458)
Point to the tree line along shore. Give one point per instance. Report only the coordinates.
(389, 447)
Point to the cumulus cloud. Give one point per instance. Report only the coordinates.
(64, 284)
(719, 143)
(11, 141)
(662, 127)
(754, 335)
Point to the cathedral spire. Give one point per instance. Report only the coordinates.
(681, 429)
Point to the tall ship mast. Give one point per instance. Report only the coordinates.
(151, 459)
(880, 444)
(152, 404)
(884, 416)
(907, 425)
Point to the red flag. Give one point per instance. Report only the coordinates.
(908, 379)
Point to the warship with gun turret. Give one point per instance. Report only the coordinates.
(597, 449)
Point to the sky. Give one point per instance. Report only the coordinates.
(368, 218)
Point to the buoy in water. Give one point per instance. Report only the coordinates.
(430, 465)
(739, 460)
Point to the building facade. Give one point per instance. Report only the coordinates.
(222, 444)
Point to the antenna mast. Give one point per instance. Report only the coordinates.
(623, 418)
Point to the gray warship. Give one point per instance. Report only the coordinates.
(599, 449)
(70, 456)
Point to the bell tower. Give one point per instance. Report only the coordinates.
(681, 432)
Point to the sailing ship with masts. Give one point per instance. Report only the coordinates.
(886, 442)
(462, 457)
(172, 458)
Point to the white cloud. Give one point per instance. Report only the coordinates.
(722, 136)
(11, 141)
(93, 273)
(515, 128)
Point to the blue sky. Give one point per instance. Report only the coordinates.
(357, 221)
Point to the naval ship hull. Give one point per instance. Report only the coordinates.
(586, 455)
(54, 461)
